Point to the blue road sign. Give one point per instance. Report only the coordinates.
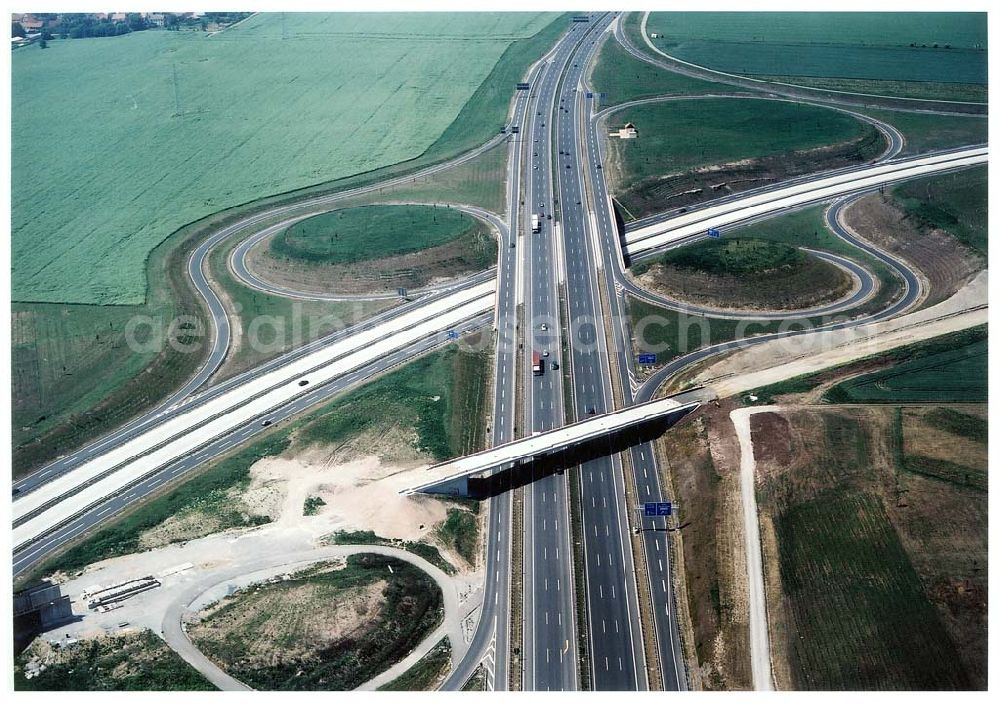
(647, 358)
(663, 509)
(453, 335)
(649, 509)
(589, 94)
(713, 232)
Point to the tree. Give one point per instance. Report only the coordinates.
(17, 30)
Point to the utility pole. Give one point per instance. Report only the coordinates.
(284, 31)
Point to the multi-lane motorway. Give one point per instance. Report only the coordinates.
(560, 291)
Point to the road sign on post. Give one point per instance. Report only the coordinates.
(663, 509)
(714, 232)
(452, 335)
(649, 509)
(647, 358)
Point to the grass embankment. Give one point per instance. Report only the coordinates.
(370, 233)
(855, 547)
(460, 531)
(440, 396)
(52, 417)
(377, 248)
(926, 132)
(950, 368)
(426, 673)
(955, 203)
(329, 628)
(756, 142)
(745, 273)
(939, 56)
(140, 661)
(622, 77)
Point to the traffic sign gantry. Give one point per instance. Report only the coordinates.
(647, 358)
(657, 509)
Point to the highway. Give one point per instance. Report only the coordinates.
(61, 499)
(695, 223)
(570, 280)
(549, 609)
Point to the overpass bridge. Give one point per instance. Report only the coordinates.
(561, 447)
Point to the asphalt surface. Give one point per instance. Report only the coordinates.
(491, 640)
(549, 610)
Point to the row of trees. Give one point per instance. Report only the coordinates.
(80, 25)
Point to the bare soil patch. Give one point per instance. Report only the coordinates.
(946, 263)
(700, 461)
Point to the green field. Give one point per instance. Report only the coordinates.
(955, 203)
(734, 256)
(949, 368)
(687, 134)
(275, 636)
(744, 273)
(926, 132)
(931, 373)
(267, 107)
(844, 574)
(371, 232)
(132, 662)
(912, 47)
(622, 77)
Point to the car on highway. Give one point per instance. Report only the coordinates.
(545, 353)
(591, 411)
(544, 326)
(555, 365)
(266, 422)
(303, 382)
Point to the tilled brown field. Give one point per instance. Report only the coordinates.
(875, 574)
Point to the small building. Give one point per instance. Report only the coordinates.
(156, 19)
(31, 24)
(626, 133)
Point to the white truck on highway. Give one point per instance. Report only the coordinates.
(536, 224)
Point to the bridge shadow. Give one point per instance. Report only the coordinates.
(557, 462)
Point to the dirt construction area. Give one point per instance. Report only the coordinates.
(360, 494)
